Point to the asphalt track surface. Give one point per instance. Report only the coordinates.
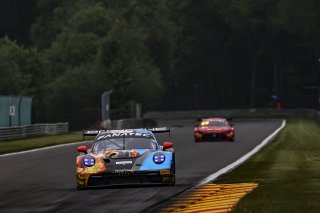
(44, 180)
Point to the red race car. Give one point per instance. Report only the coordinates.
(214, 129)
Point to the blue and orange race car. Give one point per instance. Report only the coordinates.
(130, 156)
(214, 129)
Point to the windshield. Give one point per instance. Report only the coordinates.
(122, 143)
(219, 123)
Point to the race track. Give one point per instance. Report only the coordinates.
(44, 180)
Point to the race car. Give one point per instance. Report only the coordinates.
(125, 157)
(214, 129)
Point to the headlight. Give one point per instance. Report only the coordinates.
(89, 161)
(159, 158)
(228, 131)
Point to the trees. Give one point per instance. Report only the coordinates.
(14, 80)
(20, 69)
(21, 72)
(109, 42)
(256, 41)
(242, 52)
(165, 54)
(301, 21)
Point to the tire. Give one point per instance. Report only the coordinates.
(80, 188)
(173, 182)
(173, 169)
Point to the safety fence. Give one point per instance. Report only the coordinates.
(236, 113)
(9, 133)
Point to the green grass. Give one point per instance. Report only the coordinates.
(38, 142)
(287, 171)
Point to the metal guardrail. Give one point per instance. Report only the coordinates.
(150, 118)
(236, 113)
(9, 133)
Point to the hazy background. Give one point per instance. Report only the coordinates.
(164, 54)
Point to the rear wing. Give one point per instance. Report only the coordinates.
(228, 119)
(91, 133)
(96, 132)
(160, 130)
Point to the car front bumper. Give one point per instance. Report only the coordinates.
(214, 136)
(128, 178)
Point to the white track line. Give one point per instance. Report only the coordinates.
(242, 159)
(39, 149)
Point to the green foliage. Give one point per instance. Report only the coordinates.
(70, 98)
(164, 54)
(302, 19)
(95, 20)
(20, 69)
(110, 46)
(70, 50)
(13, 80)
(52, 19)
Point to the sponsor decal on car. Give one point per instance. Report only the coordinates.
(123, 134)
(124, 162)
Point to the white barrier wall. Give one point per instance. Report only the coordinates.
(9, 133)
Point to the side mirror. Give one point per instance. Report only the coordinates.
(82, 149)
(167, 145)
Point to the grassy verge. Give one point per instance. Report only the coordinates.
(38, 142)
(287, 170)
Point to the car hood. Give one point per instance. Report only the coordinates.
(132, 153)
